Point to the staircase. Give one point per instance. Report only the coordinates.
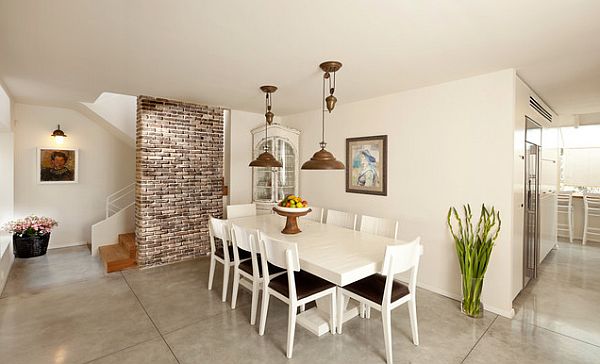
(119, 256)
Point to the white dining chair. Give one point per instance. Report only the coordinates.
(340, 218)
(383, 293)
(379, 226)
(565, 208)
(219, 229)
(250, 270)
(235, 211)
(591, 205)
(316, 214)
(295, 288)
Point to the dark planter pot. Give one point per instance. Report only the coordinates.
(30, 246)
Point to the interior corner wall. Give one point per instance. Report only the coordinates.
(241, 153)
(106, 164)
(448, 144)
(179, 178)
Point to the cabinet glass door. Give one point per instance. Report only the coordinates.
(273, 184)
(263, 177)
(287, 174)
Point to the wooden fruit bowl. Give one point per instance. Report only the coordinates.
(291, 222)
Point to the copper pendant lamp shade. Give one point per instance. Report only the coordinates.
(266, 159)
(323, 159)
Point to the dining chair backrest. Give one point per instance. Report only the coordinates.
(316, 214)
(235, 211)
(401, 258)
(219, 229)
(247, 240)
(341, 218)
(379, 226)
(282, 254)
(277, 252)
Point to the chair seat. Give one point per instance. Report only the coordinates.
(246, 266)
(306, 284)
(221, 254)
(373, 286)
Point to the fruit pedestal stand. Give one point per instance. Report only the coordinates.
(291, 222)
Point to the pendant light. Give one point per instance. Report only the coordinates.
(266, 159)
(323, 159)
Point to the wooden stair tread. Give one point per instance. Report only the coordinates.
(116, 257)
(128, 243)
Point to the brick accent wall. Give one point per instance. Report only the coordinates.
(179, 169)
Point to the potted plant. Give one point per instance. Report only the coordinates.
(474, 249)
(30, 235)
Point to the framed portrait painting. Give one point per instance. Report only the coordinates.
(366, 165)
(57, 165)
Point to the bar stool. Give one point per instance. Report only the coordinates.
(591, 205)
(565, 207)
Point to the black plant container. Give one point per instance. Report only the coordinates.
(30, 246)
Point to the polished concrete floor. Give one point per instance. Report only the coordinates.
(62, 308)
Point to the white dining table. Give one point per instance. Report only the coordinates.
(339, 255)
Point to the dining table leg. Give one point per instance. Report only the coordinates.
(316, 319)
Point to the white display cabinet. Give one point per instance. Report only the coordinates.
(270, 185)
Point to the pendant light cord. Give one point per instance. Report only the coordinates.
(323, 144)
(266, 147)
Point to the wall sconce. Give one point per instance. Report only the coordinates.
(58, 135)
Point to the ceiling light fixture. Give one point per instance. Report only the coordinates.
(58, 135)
(323, 159)
(266, 159)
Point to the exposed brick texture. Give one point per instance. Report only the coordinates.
(179, 169)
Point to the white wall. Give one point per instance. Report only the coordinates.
(240, 176)
(449, 144)
(106, 164)
(5, 111)
(118, 109)
(6, 184)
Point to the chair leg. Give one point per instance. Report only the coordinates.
(263, 314)
(570, 227)
(225, 281)
(291, 330)
(255, 291)
(412, 311)
(302, 307)
(387, 333)
(211, 272)
(333, 313)
(340, 309)
(361, 310)
(368, 312)
(585, 228)
(236, 286)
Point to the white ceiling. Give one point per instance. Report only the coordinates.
(219, 52)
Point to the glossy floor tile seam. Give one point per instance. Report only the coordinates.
(556, 332)
(479, 339)
(149, 317)
(120, 350)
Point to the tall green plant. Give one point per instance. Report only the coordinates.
(474, 249)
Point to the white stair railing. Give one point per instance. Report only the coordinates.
(120, 200)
